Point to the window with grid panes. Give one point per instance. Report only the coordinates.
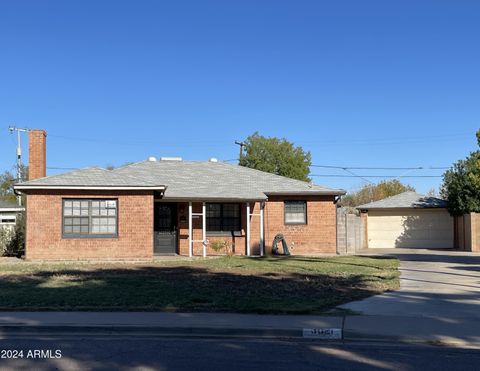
(90, 217)
(223, 218)
(295, 212)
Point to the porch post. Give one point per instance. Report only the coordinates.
(262, 229)
(248, 228)
(204, 229)
(190, 230)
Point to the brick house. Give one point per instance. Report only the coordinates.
(170, 206)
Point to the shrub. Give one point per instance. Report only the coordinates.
(15, 242)
(218, 246)
(6, 235)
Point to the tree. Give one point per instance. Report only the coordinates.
(461, 184)
(375, 192)
(7, 180)
(277, 156)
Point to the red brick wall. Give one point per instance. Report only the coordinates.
(37, 154)
(319, 235)
(135, 227)
(44, 228)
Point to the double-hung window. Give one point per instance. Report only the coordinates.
(90, 218)
(295, 212)
(223, 218)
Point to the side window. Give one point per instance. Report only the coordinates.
(295, 212)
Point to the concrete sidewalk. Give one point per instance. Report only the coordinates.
(452, 331)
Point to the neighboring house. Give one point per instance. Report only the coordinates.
(8, 214)
(170, 207)
(408, 220)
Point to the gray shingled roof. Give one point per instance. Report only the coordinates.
(406, 200)
(9, 205)
(89, 177)
(195, 180)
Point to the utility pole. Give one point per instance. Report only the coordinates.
(241, 144)
(13, 129)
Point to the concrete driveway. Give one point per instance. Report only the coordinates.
(434, 283)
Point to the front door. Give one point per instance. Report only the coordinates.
(165, 222)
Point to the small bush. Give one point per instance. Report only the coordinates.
(6, 235)
(14, 241)
(218, 246)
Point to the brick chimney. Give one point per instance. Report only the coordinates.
(37, 154)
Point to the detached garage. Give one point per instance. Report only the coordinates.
(408, 220)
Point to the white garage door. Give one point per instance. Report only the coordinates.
(410, 229)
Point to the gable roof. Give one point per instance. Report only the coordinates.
(406, 200)
(190, 180)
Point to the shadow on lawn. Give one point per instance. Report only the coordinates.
(183, 288)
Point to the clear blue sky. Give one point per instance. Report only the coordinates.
(358, 83)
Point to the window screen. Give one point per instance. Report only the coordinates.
(295, 212)
(223, 218)
(84, 218)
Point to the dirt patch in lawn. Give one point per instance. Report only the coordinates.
(236, 284)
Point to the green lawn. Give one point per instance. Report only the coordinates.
(236, 284)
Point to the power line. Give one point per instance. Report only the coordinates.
(204, 143)
(390, 140)
(374, 176)
(381, 168)
(357, 176)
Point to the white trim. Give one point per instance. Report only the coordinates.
(204, 228)
(262, 229)
(190, 230)
(12, 210)
(210, 199)
(133, 188)
(308, 193)
(248, 228)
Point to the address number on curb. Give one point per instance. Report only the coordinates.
(323, 333)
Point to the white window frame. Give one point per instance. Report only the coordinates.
(287, 212)
(90, 216)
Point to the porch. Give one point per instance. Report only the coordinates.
(188, 228)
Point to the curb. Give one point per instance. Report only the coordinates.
(349, 336)
(152, 331)
(14, 330)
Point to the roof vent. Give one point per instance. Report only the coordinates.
(152, 159)
(213, 159)
(171, 159)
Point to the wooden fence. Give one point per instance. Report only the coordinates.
(350, 232)
(467, 232)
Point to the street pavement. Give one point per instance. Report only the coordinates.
(153, 353)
